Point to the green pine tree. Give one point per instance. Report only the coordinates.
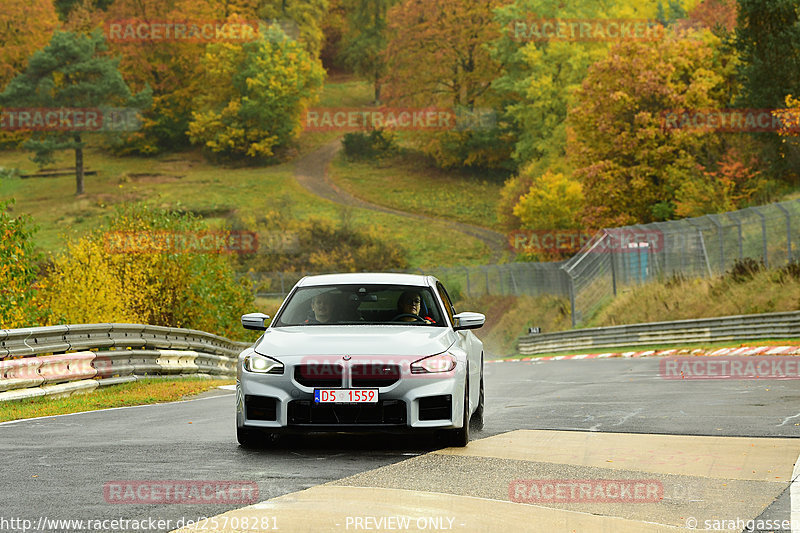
(768, 41)
(72, 72)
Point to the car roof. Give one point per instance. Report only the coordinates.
(377, 278)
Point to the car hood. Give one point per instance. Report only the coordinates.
(354, 340)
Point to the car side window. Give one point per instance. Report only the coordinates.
(448, 305)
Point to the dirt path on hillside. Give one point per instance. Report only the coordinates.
(311, 172)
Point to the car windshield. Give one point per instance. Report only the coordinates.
(361, 304)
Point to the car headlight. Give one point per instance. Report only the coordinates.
(442, 362)
(262, 365)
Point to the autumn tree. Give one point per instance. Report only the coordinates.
(540, 75)
(333, 29)
(71, 72)
(25, 27)
(537, 83)
(365, 39)
(253, 96)
(630, 166)
(67, 8)
(169, 68)
(301, 20)
(735, 181)
(554, 201)
(768, 42)
(437, 57)
(717, 15)
(20, 301)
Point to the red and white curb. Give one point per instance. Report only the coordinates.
(698, 352)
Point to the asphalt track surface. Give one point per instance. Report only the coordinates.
(720, 450)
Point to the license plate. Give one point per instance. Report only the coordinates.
(346, 395)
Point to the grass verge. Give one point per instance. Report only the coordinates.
(409, 183)
(142, 392)
(765, 291)
(218, 194)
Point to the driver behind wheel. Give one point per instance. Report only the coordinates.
(410, 303)
(322, 309)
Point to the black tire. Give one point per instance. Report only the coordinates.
(458, 438)
(477, 418)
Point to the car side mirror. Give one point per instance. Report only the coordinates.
(255, 321)
(467, 320)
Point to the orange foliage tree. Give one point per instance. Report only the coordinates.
(630, 166)
(437, 55)
(25, 27)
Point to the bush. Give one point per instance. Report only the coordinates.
(375, 144)
(9, 173)
(325, 247)
(95, 281)
(744, 269)
(253, 98)
(792, 270)
(20, 299)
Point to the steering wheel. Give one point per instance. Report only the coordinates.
(395, 319)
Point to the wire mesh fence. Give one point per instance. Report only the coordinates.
(694, 247)
(620, 257)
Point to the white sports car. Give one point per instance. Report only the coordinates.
(362, 352)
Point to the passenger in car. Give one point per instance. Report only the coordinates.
(410, 303)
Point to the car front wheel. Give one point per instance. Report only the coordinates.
(477, 418)
(458, 438)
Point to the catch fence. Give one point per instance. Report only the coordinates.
(620, 257)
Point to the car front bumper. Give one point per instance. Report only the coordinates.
(409, 402)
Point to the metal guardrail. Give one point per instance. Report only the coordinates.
(59, 360)
(724, 329)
